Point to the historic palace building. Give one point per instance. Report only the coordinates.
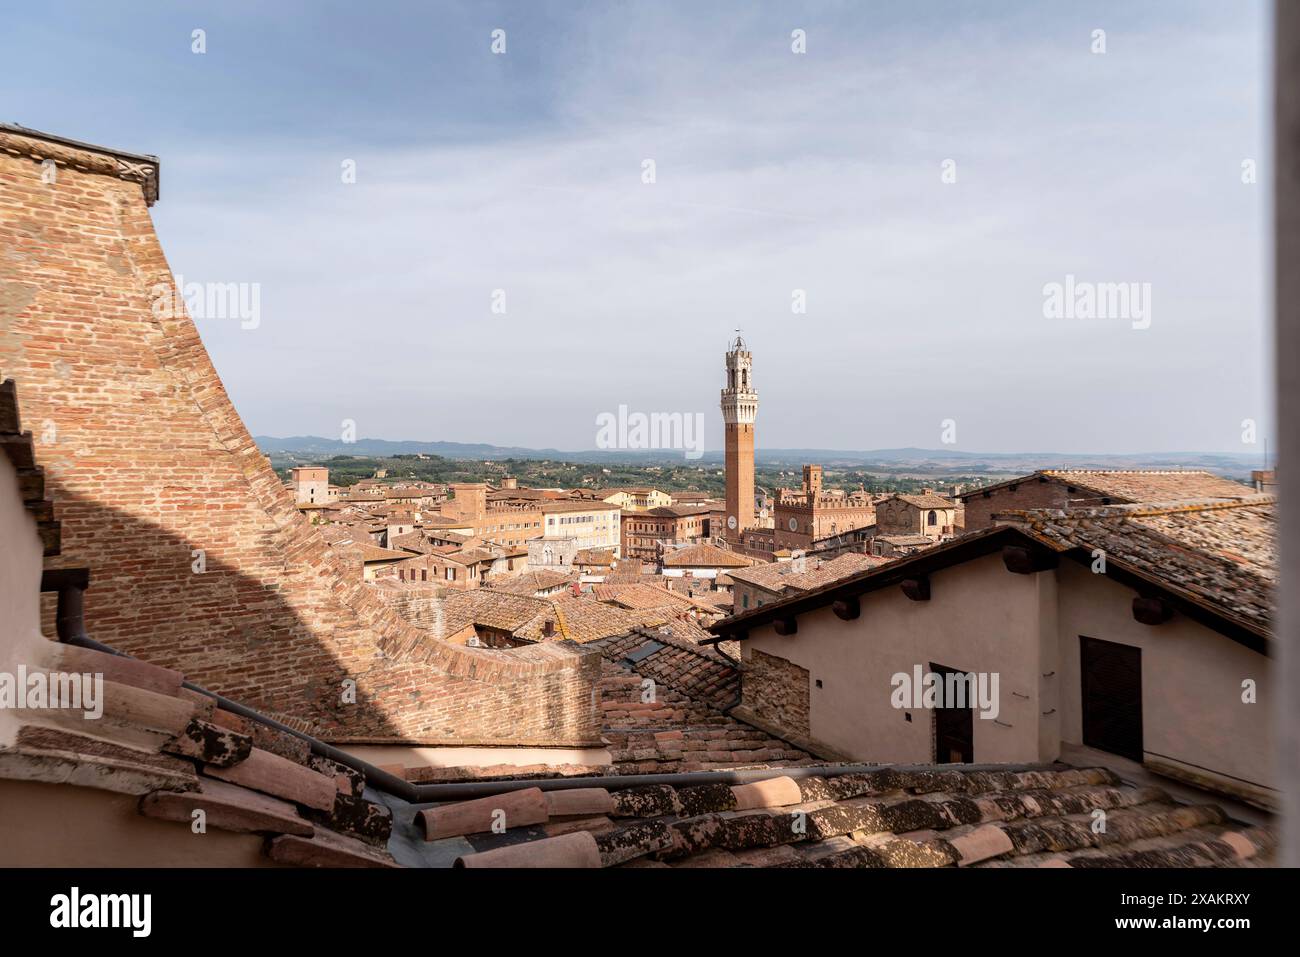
(812, 513)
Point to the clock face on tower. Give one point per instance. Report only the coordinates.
(794, 524)
(731, 521)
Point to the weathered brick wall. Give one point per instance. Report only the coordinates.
(776, 691)
(1028, 494)
(148, 461)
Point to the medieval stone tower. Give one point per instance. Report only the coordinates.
(739, 408)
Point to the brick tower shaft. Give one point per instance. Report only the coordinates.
(739, 409)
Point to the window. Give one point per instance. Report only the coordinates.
(934, 518)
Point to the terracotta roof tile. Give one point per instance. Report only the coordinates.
(1150, 485)
(1222, 554)
(532, 582)
(705, 555)
(888, 817)
(816, 573)
(179, 753)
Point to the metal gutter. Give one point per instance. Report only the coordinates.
(432, 794)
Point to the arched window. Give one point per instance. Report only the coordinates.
(934, 517)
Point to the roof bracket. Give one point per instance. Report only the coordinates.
(847, 609)
(1152, 611)
(1027, 559)
(918, 588)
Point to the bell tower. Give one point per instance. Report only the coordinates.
(739, 409)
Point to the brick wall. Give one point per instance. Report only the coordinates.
(776, 691)
(1030, 493)
(148, 462)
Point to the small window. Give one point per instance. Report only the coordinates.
(934, 517)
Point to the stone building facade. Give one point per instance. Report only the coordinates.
(646, 533)
(803, 517)
(926, 514)
(311, 485)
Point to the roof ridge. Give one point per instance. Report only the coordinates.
(1144, 509)
(1123, 471)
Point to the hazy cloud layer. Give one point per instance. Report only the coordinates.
(775, 172)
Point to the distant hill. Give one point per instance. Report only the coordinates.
(905, 460)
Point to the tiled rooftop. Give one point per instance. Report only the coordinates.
(778, 576)
(531, 582)
(641, 595)
(179, 752)
(927, 500)
(1149, 485)
(1220, 554)
(373, 553)
(1133, 485)
(705, 555)
(834, 817)
(677, 662)
(579, 618)
(595, 556)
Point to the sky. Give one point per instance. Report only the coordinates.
(918, 178)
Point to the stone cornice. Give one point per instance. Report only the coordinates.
(86, 157)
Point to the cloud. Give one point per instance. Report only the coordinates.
(774, 172)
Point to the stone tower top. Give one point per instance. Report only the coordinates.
(812, 481)
(739, 400)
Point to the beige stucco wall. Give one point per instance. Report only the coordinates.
(980, 618)
(57, 825)
(20, 586)
(983, 618)
(1192, 710)
(604, 530)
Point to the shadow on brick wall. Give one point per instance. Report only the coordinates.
(157, 596)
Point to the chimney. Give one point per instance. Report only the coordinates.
(548, 628)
